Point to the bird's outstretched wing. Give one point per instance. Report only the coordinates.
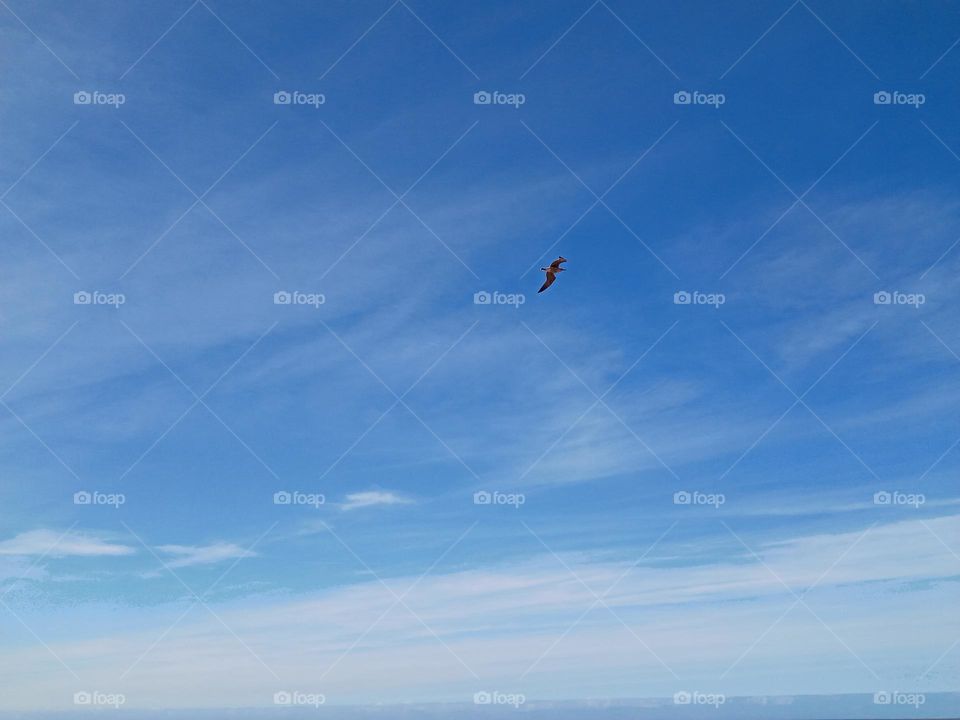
(556, 263)
(548, 282)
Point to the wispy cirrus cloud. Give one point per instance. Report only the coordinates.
(61, 544)
(371, 498)
(188, 555)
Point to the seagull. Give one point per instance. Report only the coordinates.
(552, 272)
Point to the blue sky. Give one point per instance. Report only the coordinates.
(782, 410)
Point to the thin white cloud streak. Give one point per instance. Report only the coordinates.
(188, 555)
(698, 618)
(371, 498)
(58, 544)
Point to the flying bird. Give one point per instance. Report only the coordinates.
(552, 272)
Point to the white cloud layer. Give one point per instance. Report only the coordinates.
(51, 543)
(373, 497)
